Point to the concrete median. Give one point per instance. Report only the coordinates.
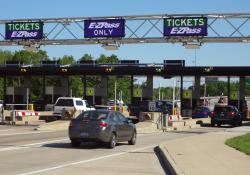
(204, 154)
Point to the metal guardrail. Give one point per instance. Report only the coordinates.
(12, 106)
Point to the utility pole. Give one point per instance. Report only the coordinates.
(159, 97)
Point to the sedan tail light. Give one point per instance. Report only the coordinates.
(103, 124)
(232, 114)
(213, 114)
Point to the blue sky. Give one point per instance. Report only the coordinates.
(209, 54)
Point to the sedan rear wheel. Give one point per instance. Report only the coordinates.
(132, 141)
(112, 142)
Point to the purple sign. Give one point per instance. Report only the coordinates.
(24, 30)
(104, 28)
(191, 26)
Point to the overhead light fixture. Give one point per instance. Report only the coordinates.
(246, 41)
(111, 46)
(31, 48)
(56, 43)
(192, 45)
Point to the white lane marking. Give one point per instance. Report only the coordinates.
(5, 130)
(85, 161)
(18, 147)
(25, 133)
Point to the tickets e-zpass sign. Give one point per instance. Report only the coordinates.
(24, 30)
(190, 26)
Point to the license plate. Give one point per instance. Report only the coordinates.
(84, 134)
(222, 115)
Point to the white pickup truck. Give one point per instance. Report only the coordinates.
(70, 105)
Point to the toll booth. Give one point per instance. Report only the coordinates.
(18, 96)
(52, 93)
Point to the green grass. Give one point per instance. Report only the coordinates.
(241, 143)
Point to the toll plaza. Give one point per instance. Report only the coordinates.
(189, 98)
(190, 30)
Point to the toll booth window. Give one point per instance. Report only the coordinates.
(65, 102)
(79, 103)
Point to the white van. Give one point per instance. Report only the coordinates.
(72, 105)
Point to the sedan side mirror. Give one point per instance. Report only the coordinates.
(129, 121)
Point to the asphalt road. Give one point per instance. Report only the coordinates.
(24, 151)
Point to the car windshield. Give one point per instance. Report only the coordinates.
(64, 102)
(93, 115)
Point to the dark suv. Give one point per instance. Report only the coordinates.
(101, 126)
(226, 114)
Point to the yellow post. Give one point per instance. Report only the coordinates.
(31, 107)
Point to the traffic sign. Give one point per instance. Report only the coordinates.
(137, 92)
(187, 94)
(234, 95)
(90, 91)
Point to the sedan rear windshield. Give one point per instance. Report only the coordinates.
(93, 115)
(223, 109)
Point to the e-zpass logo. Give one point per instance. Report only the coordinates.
(103, 25)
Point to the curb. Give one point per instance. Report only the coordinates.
(169, 162)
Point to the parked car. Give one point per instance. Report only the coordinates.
(226, 114)
(201, 112)
(165, 106)
(71, 105)
(104, 126)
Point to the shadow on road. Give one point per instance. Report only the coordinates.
(84, 145)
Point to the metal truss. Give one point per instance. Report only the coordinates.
(222, 28)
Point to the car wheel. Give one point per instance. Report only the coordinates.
(212, 123)
(112, 142)
(235, 124)
(132, 141)
(75, 143)
(219, 124)
(240, 123)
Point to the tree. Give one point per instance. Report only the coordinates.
(86, 57)
(107, 59)
(28, 57)
(66, 60)
(5, 55)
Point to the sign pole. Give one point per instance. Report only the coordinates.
(115, 97)
(173, 97)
